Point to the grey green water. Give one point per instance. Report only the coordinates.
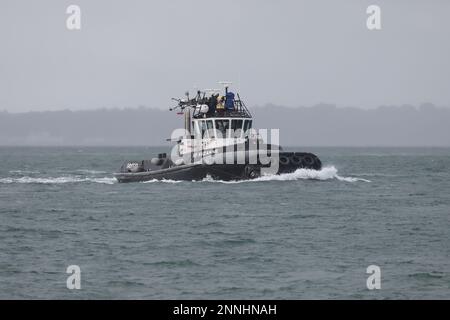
(306, 235)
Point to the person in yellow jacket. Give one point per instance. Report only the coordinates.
(220, 103)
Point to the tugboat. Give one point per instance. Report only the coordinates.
(218, 141)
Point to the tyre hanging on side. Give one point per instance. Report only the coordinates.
(308, 161)
(284, 161)
(296, 160)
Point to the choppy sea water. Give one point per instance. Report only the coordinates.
(305, 235)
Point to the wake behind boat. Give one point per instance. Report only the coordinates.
(218, 141)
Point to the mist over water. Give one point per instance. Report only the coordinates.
(308, 234)
(318, 125)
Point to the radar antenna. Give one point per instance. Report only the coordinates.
(226, 84)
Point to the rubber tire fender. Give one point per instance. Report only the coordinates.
(308, 161)
(283, 160)
(296, 160)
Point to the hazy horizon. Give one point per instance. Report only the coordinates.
(321, 125)
(266, 105)
(292, 53)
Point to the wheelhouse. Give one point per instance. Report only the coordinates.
(220, 117)
(213, 121)
(221, 127)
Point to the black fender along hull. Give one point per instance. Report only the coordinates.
(287, 162)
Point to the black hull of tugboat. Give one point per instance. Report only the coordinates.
(149, 170)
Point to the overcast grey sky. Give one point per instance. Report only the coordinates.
(131, 53)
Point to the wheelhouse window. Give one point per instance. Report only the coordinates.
(203, 129)
(247, 126)
(236, 127)
(210, 127)
(222, 126)
(197, 131)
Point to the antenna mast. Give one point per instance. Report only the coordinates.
(226, 84)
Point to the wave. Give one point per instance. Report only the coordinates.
(163, 181)
(58, 180)
(326, 173)
(91, 171)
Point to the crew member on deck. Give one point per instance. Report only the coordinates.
(229, 101)
(220, 104)
(212, 104)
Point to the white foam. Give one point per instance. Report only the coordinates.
(327, 173)
(58, 180)
(104, 180)
(91, 171)
(163, 181)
